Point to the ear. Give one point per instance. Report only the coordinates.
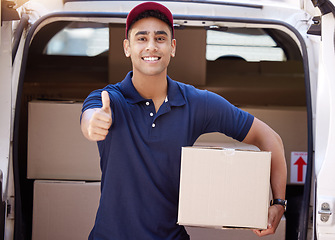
(126, 47)
(173, 45)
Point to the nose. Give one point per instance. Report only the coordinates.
(151, 46)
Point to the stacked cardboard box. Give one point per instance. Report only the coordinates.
(66, 170)
(64, 210)
(56, 147)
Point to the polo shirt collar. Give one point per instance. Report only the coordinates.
(175, 96)
(129, 91)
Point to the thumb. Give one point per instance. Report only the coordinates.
(105, 101)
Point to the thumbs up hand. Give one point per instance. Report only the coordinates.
(96, 122)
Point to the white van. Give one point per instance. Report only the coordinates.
(274, 58)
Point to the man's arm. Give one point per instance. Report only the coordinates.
(266, 139)
(96, 122)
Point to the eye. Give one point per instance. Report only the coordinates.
(161, 39)
(141, 39)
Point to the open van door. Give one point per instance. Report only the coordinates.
(8, 69)
(321, 116)
(325, 127)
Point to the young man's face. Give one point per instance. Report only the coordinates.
(150, 47)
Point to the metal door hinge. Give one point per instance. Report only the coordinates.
(315, 28)
(325, 212)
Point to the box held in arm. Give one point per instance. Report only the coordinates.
(224, 188)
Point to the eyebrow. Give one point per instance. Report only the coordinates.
(161, 33)
(146, 33)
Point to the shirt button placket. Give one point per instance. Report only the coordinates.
(151, 114)
(153, 124)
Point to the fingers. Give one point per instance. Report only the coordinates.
(97, 129)
(100, 120)
(264, 232)
(99, 125)
(97, 134)
(275, 214)
(101, 117)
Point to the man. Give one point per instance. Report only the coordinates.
(141, 124)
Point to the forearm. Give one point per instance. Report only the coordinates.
(278, 175)
(268, 140)
(262, 136)
(278, 170)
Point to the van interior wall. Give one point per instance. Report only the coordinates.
(257, 83)
(72, 78)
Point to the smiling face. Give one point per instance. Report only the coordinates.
(150, 47)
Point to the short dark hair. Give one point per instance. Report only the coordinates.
(151, 13)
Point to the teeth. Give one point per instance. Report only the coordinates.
(150, 58)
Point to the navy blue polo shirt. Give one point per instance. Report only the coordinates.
(140, 157)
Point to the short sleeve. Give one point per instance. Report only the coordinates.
(223, 117)
(93, 100)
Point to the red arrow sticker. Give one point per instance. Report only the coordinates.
(298, 167)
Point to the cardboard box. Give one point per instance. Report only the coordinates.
(57, 148)
(289, 122)
(64, 210)
(224, 188)
(197, 233)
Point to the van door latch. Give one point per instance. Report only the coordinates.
(325, 212)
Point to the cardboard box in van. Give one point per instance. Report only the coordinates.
(64, 209)
(224, 188)
(57, 148)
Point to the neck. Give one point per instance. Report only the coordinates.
(151, 87)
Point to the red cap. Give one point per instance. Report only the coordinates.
(149, 6)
